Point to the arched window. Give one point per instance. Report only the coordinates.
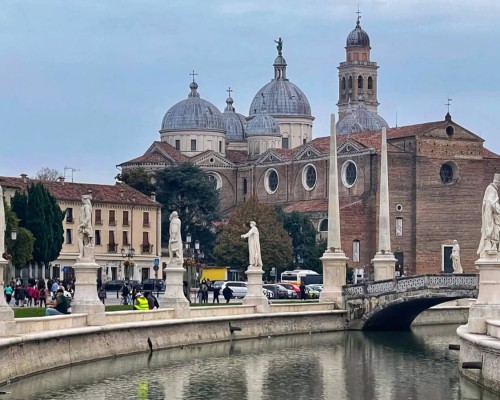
(343, 83)
(360, 82)
(350, 82)
(323, 225)
(245, 186)
(370, 83)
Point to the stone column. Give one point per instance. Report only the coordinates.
(255, 296)
(487, 305)
(174, 293)
(384, 261)
(334, 260)
(7, 322)
(86, 300)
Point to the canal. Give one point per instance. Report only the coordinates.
(340, 365)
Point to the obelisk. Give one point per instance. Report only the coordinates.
(334, 260)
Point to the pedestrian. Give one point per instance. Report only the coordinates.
(228, 294)
(204, 292)
(216, 294)
(102, 294)
(42, 297)
(125, 294)
(29, 295)
(302, 288)
(35, 295)
(185, 290)
(8, 293)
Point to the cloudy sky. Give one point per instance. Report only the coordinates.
(85, 84)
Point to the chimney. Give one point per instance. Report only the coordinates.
(153, 196)
(61, 179)
(24, 177)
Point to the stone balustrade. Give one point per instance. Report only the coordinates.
(120, 317)
(41, 324)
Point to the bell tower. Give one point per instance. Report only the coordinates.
(357, 74)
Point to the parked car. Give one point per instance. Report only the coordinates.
(268, 293)
(290, 294)
(279, 291)
(312, 292)
(154, 285)
(114, 286)
(291, 286)
(215, 285)
(239, 288)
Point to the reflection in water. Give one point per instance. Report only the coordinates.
(341, 365)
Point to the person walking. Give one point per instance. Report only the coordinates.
(125, 294)
(216, 294)
(8, 293)
(302, 288)
(42, 297)
(102, 294)
(228, 294)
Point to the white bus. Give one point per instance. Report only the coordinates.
(296, 275)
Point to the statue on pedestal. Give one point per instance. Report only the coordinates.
(490, 228)
(455, 258)
(175, 240)
(255, 258)
(85, 231)
(279, 46)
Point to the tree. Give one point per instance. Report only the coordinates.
(185, 188)
(44, 219)
(139, 179)
(303, 234)
(48, 174)
(20, 250)
(275, 243)
(19, 203)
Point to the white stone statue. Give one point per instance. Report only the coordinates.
(255, 258)
(455, 258)
(175, 240)
(85, 231)
(490, 228)
(3, 226)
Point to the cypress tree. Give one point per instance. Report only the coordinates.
(36, 222)
(19, 204)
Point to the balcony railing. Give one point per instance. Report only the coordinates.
(70, 220)
(112, 222)
(98, 221)
(126, 223)
(146, 248)
(112, 247)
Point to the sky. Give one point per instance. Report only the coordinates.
(84, 85)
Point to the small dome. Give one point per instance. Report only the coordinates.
(358, 37)
(263, 125)
(360, 120)
(193, 113)
(235, 123)
(282, 97)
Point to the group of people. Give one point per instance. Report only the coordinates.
(35, 292)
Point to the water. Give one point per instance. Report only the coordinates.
(342, 365)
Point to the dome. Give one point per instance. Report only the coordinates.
(193, 113)
(358, 37)
(282, 97)
(263, 125)
(234, 122)
(360, 120)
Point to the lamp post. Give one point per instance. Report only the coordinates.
(128, 253)
(8, 269)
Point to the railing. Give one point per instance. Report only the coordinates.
(405, 284)
(112, 247)
(146, 248)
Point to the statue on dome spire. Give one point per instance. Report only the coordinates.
(279, 46)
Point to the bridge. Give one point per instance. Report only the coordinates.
(394, 304)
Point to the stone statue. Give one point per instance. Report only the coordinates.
(85, 231)
(490, 228)
(255, 258)
(279, 45)
(455, 258)
(175, 240)
(3, 226)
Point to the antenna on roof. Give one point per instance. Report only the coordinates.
(66, 168)
(396, 119)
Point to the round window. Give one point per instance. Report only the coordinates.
(309, 177)
(271, 181)
(349, 174)
(446, 173)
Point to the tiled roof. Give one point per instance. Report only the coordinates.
(119, 193)
(156, 154)
(287, 153)
(171, 151)
(237, 156)
(153, 157)
(489, 154)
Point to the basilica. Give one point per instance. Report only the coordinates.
(438, 170)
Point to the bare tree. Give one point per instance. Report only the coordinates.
(48, 174)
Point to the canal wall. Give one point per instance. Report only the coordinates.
(37, 351)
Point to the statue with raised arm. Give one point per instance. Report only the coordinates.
(490, 228)
(85, 230)
(279, 45)
(252, 235)
(175, 239)
(3, 226)
(455, 258)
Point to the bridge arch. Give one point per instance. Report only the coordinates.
(394, 304)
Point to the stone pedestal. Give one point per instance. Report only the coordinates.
(383, 266)
(86, 300)
(174, 293)
(7, 322)
(255, 296)
(487, 305)
(334, 276)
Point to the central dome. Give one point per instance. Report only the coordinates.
(360, 119)
(358, 37)
(193, 113)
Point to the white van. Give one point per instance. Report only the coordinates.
(239, 288)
